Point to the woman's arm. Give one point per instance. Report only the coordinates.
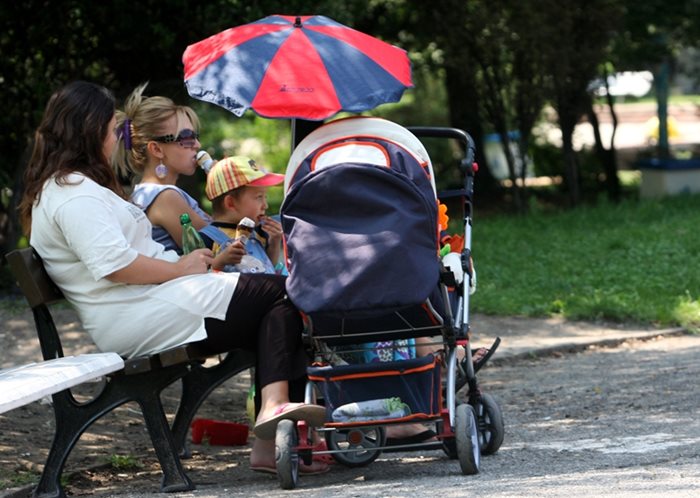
(145, 270)
(165, 211)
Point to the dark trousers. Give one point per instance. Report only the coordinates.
(262, 319)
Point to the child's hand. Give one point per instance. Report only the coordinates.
(230, 255)
(273, 229)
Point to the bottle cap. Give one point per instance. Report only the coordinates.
(185, 218)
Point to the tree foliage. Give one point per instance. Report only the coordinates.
(580, 34)
(119, 44)
(498, 61)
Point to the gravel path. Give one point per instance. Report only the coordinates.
(618, 421)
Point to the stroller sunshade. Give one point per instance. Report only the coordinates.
(361, 239)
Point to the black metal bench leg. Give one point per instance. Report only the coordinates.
(174, 477)
(68, 431)
(196, 387)
(72, 419)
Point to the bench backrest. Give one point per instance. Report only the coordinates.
(36, 285)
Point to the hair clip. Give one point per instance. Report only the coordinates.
(126, 133)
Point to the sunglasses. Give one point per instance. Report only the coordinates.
(186, 138)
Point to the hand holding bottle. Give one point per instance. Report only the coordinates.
(197, 261)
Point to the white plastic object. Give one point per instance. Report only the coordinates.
(453, 261)
(204, 160)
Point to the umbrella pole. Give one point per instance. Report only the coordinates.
(301, 128)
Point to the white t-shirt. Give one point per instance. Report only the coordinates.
(83, 232)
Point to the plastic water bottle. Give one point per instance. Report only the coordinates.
(204, 160)
(250, 403)
(191, 239)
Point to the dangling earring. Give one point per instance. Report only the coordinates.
(161, 170)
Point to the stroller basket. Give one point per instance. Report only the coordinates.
(396, 391)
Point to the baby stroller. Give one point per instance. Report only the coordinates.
(360, 218)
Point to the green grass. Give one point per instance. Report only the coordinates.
(17, 478)
(633, 262)
(125, 462)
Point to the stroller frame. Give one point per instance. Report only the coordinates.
(464, 431)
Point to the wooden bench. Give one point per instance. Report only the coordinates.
(27, 383)
(139, 379)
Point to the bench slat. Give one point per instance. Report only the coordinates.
(28, 383)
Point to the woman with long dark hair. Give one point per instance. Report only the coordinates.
(133, 296)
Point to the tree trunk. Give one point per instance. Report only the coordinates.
(510, 161)
(462, 100)
(607, 157)
(571, 173)
(523, 146)
(661, 82)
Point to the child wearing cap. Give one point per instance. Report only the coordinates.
(237, 187)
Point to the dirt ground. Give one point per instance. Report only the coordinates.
(115, 455)
(117, 447)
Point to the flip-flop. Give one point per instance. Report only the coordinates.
(314, 415)
(302, 470)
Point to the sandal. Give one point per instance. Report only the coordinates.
(326, 458)
(314, 415)
(481, 355)
(317, 467)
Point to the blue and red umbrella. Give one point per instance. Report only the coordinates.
(306, 67)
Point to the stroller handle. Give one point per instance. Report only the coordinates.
(444, 132)
(467, 165)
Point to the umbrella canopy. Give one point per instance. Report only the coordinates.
(307, 67)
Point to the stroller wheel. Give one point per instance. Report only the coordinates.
(467, 437)
(357, 445)
(286, 455)
(490, 422)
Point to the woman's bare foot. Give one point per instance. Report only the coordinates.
(263, 453)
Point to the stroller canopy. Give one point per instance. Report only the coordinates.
(353, 128)
(360, 220)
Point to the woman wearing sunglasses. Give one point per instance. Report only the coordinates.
(133, 296)
(159, 141)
